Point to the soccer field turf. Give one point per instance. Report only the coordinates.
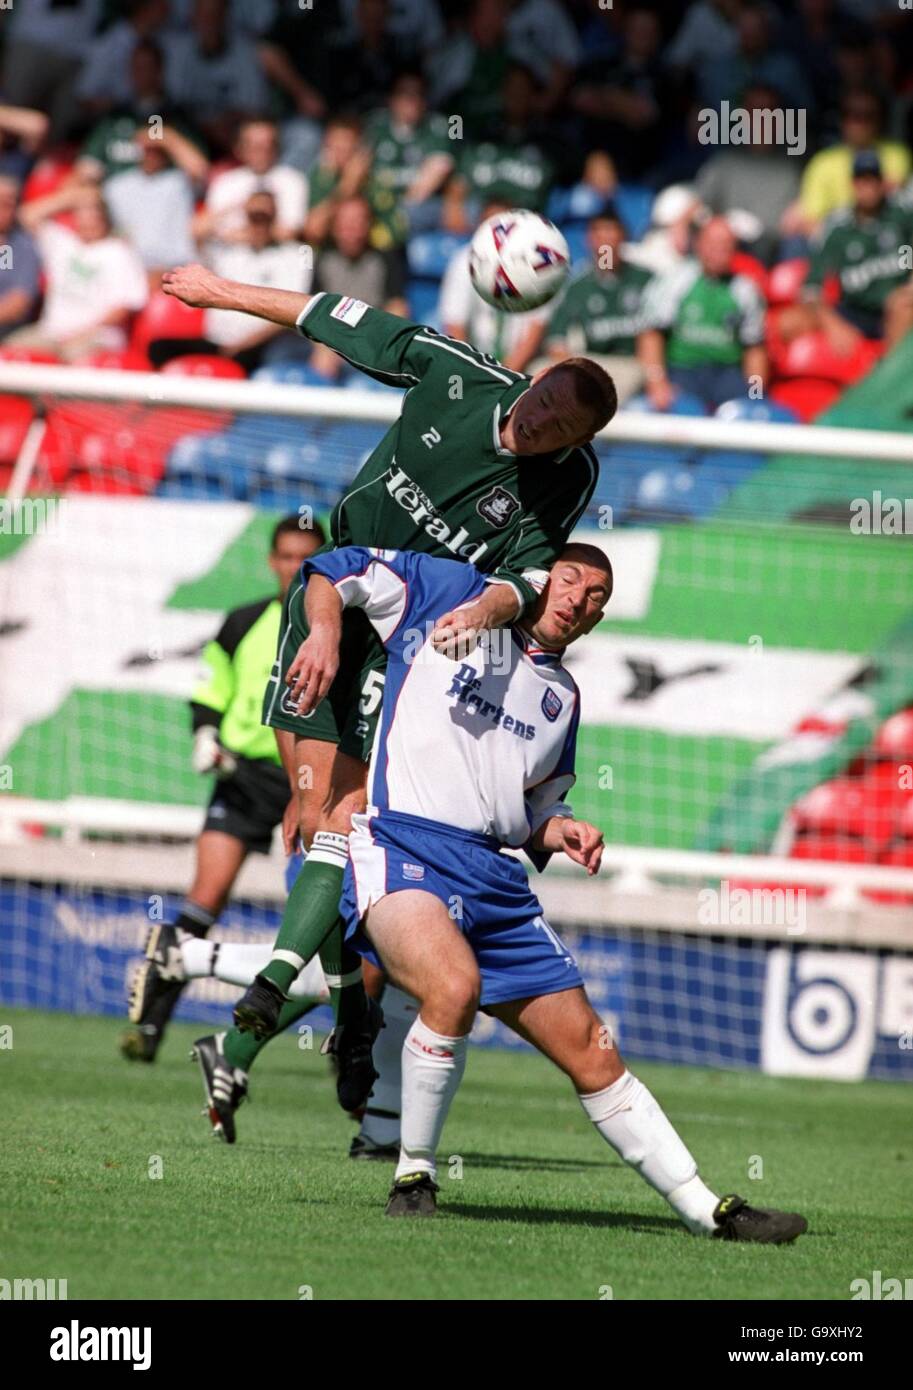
(544, 1210)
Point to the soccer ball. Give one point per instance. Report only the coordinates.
(518, 260)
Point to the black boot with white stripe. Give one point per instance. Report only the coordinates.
(225, 1086)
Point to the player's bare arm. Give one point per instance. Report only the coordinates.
(314, 669)
(577, 839)
(456, 631)
(203, 289)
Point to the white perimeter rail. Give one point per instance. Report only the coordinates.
(118, 844)
(265, 398)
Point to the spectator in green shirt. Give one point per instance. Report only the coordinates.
(601, 312)
(411, 159)
(705, 326)
(112, 145)
(867, 248)
(510, 164)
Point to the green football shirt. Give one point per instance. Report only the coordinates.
(398, 152)
(520, 174)
(440, 480)
(865, 253)
(708, 320)
(601, 311)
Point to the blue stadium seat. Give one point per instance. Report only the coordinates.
(575, 234)
(744, 409)
(291, 374)
(429, 253)
(422, 297)
(635, 207)
(683, 404)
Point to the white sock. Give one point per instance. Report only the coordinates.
(433, 1066)
(196, 953)
(381, 1121)
(237, 962)
(631, 1120)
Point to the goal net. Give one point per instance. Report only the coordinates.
(758, 641)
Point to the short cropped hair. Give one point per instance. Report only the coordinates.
(291, 525)
(593, 388)
(590, 555)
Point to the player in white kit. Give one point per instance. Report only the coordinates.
(473, 755)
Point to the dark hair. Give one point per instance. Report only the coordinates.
(590, 555)
(593, 388)
(607, 213)
(291, 525)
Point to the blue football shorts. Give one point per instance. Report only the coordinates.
(486, 893)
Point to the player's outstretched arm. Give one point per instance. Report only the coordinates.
(203, 289)
(314, 669)
(577, 839)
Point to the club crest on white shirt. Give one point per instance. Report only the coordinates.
(552, 705)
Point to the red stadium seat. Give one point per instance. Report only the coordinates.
(899, 856)
(849, 806)
(127, 361)
(16, 415)
(784, 281)
(104, 443)
(811, 355)
(204, 364)
(807, 397)
(24, 354)
(895, 737)
(743, 264)
(47, 176)
(165, 317)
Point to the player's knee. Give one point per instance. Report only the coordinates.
(596, 1063)
(457, 998)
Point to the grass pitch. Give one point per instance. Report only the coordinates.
(543, 1210)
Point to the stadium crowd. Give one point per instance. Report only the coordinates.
(354, 145)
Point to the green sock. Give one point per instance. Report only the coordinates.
(312, 908)
(342, 967)
(241, 1049)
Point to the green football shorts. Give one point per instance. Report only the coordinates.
(348, 715)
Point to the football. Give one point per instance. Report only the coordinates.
(518, 260)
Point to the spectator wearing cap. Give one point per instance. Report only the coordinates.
(512, 339)
(152, 205)
(827, 183)
(601, 311)
(224, 215)
(95, 280)
(705, 326)
(259, 257)
(20, 281)
(867, 248)
(350, 265)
